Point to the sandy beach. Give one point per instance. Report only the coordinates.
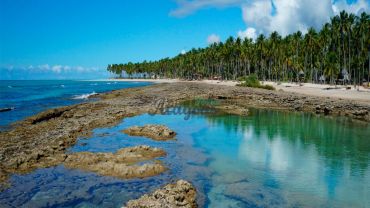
(322, 90)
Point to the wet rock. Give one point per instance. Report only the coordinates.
(179, 194)
(47, 115)
(360, 112)
(327, 110)
(253, 196)
(122, 164)
(52, 132)
(155, 132)
(233, 109)
(297, 107)
(5, 109)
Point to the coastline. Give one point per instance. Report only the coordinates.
(52, 132)
(135, 80)
(325, 90)
(322, 90)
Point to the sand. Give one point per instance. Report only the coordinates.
(362, 95)
(324, 90)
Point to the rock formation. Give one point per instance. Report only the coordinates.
(155, 132)
(180, 194)
(122, 164)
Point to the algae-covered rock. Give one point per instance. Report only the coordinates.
(122, 164)
(179, 194)
(155, 132)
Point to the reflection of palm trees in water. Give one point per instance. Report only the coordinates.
(304, 148)
(335, 139)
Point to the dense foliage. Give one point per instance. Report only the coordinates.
(252, 81)
(339, 51)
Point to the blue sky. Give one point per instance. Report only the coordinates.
(74, 38)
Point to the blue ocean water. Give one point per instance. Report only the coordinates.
(33, 96)
(266, 159)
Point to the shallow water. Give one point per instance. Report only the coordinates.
(29, 97)
(267, 159)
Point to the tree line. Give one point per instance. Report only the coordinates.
(339, 51)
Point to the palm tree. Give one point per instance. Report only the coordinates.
(341, 44)
(261, 47)
(310, 40)
(331, 67)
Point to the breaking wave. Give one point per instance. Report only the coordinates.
(84, 96)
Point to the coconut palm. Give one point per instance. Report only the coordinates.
(341, 44)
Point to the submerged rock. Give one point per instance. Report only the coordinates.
(233, 109)
(251, 195)
(122, 164)
(179, 194)
(6, 109)
(155, 132)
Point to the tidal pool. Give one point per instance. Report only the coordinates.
(266, 159)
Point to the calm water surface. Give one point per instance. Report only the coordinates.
(267, 159)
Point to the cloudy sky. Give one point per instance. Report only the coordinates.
(72, 39)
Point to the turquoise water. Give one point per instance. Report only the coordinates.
(33, 96)
(267, 159)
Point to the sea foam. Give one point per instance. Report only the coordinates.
(84, 96)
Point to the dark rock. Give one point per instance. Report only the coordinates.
(327, 110)
(360, 112)
(5, 109)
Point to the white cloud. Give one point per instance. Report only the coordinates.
(44, 67)
(81, 69)
(47, 71)
(355, 8)
(183, 51)
(67, 68)
(250, 32)
(287, 16)
(57, 68)
(186, 7)
(213, 38)
(257, 14)
(283, 16)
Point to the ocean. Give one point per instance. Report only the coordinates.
(29, 97)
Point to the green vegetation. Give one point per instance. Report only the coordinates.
(252, 81)
(338, 52)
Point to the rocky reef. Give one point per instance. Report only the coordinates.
(179, 194)
(122, 164)
(42, 140)
(155, 132)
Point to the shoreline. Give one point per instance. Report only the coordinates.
(53, 131)
(325, 90)
(321, 90)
